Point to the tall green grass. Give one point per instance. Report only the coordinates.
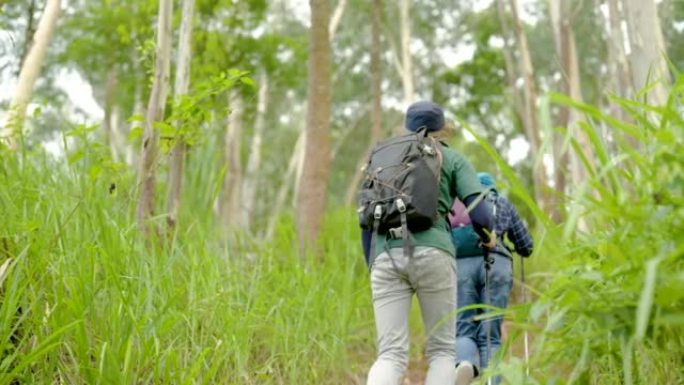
(85, 301)
(609, 301)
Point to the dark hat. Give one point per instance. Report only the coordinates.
(424, 114)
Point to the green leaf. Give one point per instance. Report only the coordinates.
(646, 300)
(76, 156)
(136, 132)
(247, 81)
(136, 118)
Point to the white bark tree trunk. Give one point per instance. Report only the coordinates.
(281, 197)
(181, 85)
(232, 182)
(618, 64)
(155, 112)
(336, 18)
(138, 110)
(562, 18)
(531, 115)
(511, 70)
(648, 57)
(376, 89)
(406, 57)
(109, 108)
(315, 173)
(30, 70)
(299, 168)
(249, 185)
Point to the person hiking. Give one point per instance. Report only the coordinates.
(471, 334)
(425, 266)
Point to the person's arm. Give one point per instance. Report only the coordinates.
(482, 219)
(518, 233)
(468, 189)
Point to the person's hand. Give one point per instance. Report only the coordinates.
(492, 242)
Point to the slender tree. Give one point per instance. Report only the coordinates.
(231, 197)
(335, 21)
(249, 185)
(618, 65)
(28, 32)
(530, 113)
(337, 17)
(314, 179)
(181, 85)
(563, 15)
(30, 70)
(511, 70)
(281, 196)
(406, 58)
(376, 90)
(648, 57)
(110, 120)
(155, 113)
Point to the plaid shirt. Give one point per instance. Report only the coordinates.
(508, 222)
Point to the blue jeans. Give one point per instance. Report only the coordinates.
(471, 335)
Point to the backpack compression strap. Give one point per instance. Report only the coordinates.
(377, 214)
(405, 235)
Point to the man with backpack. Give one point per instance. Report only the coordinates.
(410, 184)
(484, 277)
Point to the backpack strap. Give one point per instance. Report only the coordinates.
(405, 235)
(377, 214)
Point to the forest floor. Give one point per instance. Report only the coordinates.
(418, 367)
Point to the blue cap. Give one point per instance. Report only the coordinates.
(486, 180)
(426, 115)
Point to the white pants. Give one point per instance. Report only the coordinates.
(431, 274)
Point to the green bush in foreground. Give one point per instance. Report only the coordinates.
(610, 302)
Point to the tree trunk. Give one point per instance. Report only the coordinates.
(281, 197)
(155, 113)
(406, 58)
(28, 33)
(511, 70)
(298, 155)
(617, 59)
(530, 116)
(376, 89)
(337, 18)
(109, 106)
(30, 70)
(562, 18)
(181, 85)
(232, 182)
(299, 167)
(648, 57)
(254, 161)
(314, 185)
(138, 110)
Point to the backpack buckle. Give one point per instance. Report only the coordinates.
(400, 205)
(428, 150)
(377, 214)
(396, 233)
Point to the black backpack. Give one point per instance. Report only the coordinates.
(400, 192)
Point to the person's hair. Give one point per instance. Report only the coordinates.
(446, 133)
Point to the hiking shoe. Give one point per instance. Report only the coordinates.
(465, 373)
